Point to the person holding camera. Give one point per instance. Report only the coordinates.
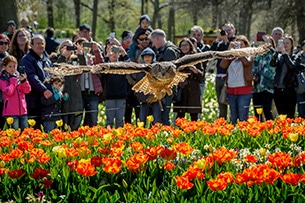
(72, 108)
(263, 76)
(284, 80)
(14, 86)
(222, 42)
(91, 86)
(240, 76)
(190, 100)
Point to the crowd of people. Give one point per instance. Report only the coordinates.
(28, 91)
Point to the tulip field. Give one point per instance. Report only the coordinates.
(209, 160)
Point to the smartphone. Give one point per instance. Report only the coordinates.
(280, 43)
(259, 36)
(112, 35)
(237, 45)
(70, 48)
(87, 44)
(21, 70)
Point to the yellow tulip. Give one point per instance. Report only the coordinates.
(293, 137)
(107, 137)
(31, 122)
(140, 124)
(200, 164)
(82, 153)
(59, 123)
(2, 164)
(91, 139)
(78, 140)
(87, 161)
(263, 152)
(282, 117)
(10, 120)
(150, 118)
(10, 132)
(259, 111)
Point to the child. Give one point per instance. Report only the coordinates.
(14, 86)
(144, 25)
(148, 56)
(51, 107)
(115, 92)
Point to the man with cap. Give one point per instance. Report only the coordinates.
(85, 32)
(11, 27)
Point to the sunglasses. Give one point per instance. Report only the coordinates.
(142, 39)
(3, 43)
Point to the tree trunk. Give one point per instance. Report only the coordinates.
(8, 11)
(77, 12)
(300, 19)
(171, 21)
(94, 17)
(50, 13)
(111, 9)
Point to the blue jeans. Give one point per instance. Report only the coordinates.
(301, 105)
(90, 104)
(19, 122)
(166, 102)
(115, 109)
(48, 125)
(155, 111)
(239, 106)
(73, 120)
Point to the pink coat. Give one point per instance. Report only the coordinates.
(13, 94)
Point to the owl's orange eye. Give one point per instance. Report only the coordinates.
(168, 70)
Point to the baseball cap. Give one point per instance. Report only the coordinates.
(10, 22)
(85, 26)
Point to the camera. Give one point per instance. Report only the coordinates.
(87, 44)
(21, 70)
(115, 49)
(223, 33)
(71, 48)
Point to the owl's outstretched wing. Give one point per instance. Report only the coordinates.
(193, 59)
(120, 68)
(65, 69)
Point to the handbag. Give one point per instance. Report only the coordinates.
(300, 89)
(223, 99)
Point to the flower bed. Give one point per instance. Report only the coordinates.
(192, 162)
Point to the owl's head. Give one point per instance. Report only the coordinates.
(163, 71)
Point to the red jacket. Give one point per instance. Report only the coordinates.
(13, 95)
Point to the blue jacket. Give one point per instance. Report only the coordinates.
(51, 107)
(34, 65)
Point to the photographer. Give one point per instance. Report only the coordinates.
(240, 76)
(284, 79)
(222, 42)
(263, 80)
(73, 107)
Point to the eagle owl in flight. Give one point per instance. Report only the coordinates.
(160, 77)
